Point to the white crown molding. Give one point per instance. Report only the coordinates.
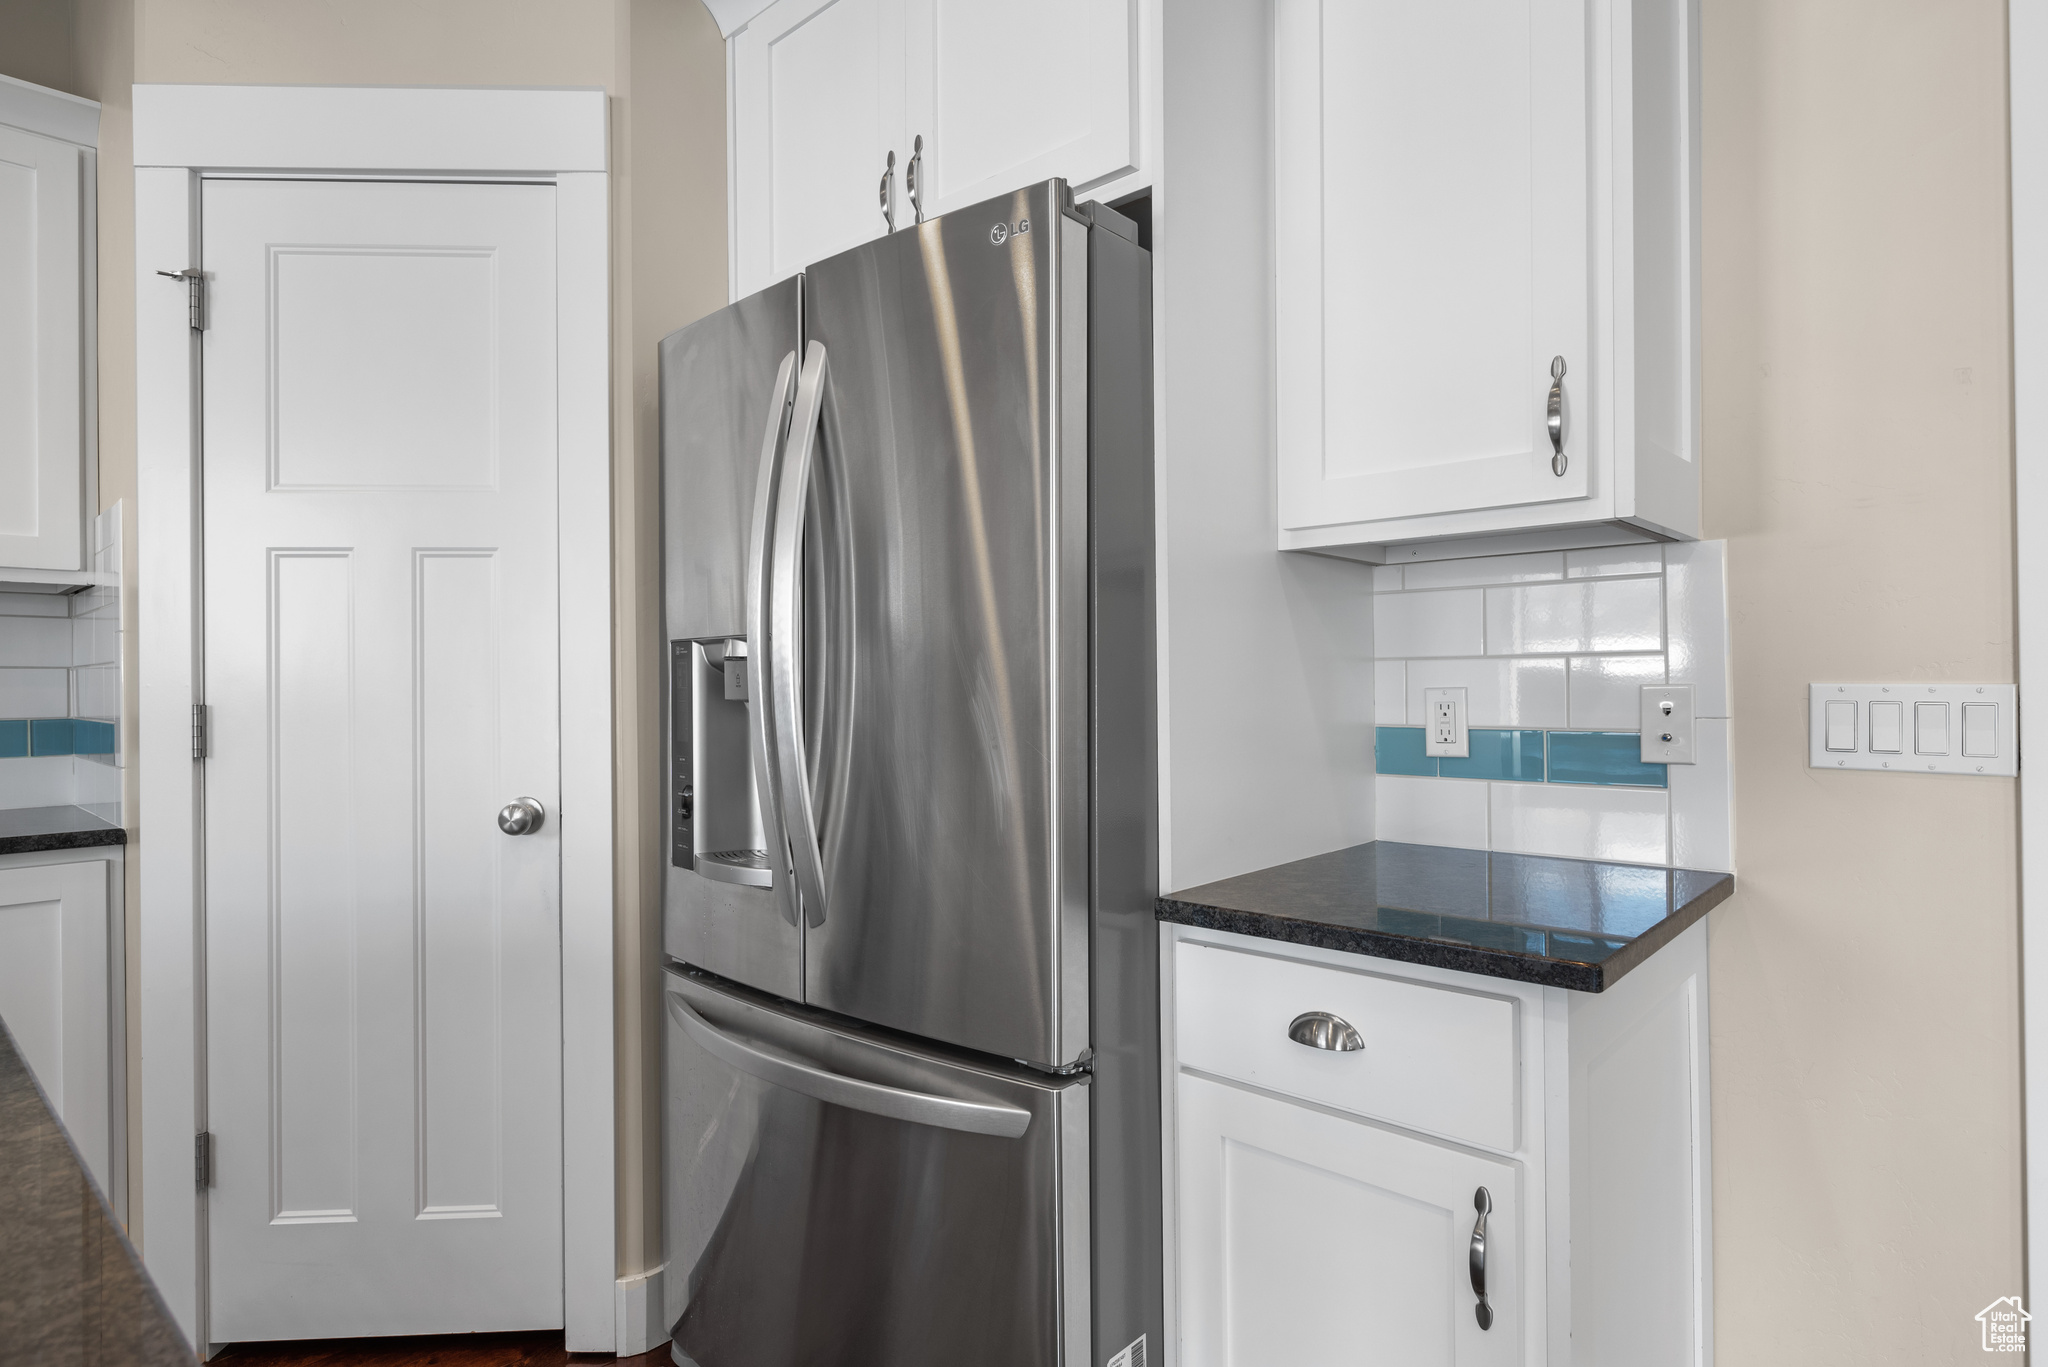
(369, 128)
(52, 113)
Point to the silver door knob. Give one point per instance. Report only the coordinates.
(521, 816)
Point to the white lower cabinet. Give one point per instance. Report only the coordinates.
(1309, 1238)
(1329, 1201)
(61, 997)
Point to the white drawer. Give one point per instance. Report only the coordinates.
(1435, 1059)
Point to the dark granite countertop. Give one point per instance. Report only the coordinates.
(24, 830)
(1560, 922)
(72, 1292)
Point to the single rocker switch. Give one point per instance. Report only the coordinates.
(1841, 714)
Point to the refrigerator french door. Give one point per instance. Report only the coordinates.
(908, 593)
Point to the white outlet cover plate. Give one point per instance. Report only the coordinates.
(1461, 748)
(2002, 761)
(1678, 724)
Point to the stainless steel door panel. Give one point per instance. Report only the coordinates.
(945, 624)
(718, 398)
(805, 1233)
(717, 378)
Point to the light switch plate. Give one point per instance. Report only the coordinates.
(1669, 736)
(1914, 728)
(1444, 733)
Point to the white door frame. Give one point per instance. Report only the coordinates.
(2027, 87)
(184, 133)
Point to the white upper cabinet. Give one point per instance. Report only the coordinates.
(46, 194)
(1470, 199)
(817, 106)
(970, 99)
(1008, 95)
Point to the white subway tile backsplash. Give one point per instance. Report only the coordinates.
(1386, 578)
(34, 605)
(1389, 692)
(1406, 625)
(1613, 560)
(1430, 811)
(1696, 605)
(34, 693)
(35, 642)
(1702, 798)
(96, 693)
(1607, 690)
(1628, 825)
(1576, 617)
(40, 781)
(1486, 569)
(1497, 692)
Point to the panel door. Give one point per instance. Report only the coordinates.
(1315, 1241)
(383, 966)
(56, 982)
(1005, 95)
(1431, 256)
(42, 396)
(817, 108)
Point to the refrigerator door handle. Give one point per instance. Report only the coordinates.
(895, 1103)
(759, 713)
(785, 571)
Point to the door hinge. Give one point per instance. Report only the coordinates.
(195, 296)
(202, 1160)
(199, 730)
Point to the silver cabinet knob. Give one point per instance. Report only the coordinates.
(521, 816)
(1321, 1030)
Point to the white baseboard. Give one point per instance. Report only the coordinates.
(641, 1321)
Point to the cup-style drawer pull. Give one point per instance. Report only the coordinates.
(1321, 1030)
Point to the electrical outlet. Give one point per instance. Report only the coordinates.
(1443, 724)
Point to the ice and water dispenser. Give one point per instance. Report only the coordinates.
(718, 831)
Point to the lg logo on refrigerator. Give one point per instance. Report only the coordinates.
(1001, 232)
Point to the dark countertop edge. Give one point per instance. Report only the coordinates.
(1491, 963)
(62, 840)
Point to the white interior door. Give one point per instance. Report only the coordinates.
(1009, 95)
(1431, 255)
(817, 108)
(1316, 1241)
(383, 964)
(41, 399)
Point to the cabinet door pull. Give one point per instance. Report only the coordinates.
(889, 194)
(1482, 1202)
(1558, 459)
(911, 177)
(1321, 1030)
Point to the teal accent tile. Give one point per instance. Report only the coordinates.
(13, 739)
(1398, 750)
(50, 737)
(1607, 757)
(92, 737)
(1513, 756)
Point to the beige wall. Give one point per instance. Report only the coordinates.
(663, 65)
(1858, 460)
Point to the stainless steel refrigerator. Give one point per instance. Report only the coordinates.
(911, 997)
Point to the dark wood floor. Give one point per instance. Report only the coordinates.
(437, 1350)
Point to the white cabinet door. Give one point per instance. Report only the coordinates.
(817, 108)
(42, 406)
(1432, 243)
(1008, 95)
(56, 983)
(1315, 1241)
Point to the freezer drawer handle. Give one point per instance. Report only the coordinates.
(919, 1108)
